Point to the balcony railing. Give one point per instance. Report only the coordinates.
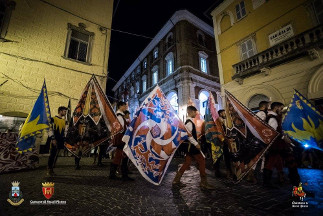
(293, 48)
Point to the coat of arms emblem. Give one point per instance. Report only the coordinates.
(15, 195)
(48, 189)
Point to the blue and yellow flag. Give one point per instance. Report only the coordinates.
(37, 121)
(303, 122)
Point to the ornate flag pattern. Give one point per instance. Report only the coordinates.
(11, 159)
(213, 133)
(303, 122)
(37, 121)
(93, 120)
(153, 136)
(251, 137)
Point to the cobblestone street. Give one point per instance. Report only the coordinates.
(88, 191)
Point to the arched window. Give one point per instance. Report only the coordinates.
(169, 63)
(203, 96)
(203, 62)
(173, 100)
(132, 91)
(144, 83)
(200, 37)
(254, 101)
(169, 39)
(155, 53)
(155, 75)
(137, 87)
(145, 63)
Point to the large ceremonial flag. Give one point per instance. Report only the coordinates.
(251, 136)
(214, 134)
(93, 120)
(303, 122)
(153, 136)
(37, 121)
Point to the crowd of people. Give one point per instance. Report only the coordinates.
(278, 156)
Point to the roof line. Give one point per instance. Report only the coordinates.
(177, 17)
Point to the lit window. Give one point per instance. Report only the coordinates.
(137, 87)
(169, 63)
(155, 53)
(240, 10)
(144, 83)
(132, 91)
(203, 62)
(247, 49)
(6, 8)
(145, 63)
(155, 77)
(79, 42)
(203, 65)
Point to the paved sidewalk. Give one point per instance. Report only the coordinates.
(89, 192)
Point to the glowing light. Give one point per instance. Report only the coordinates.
(306, 146)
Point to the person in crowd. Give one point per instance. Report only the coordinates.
(120, 157)
(193, 151)
(57, 137)
(223, 139)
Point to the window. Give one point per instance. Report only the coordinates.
(240, 10)
(138, 69)
(169, 40)
(247, 49)
(137, 87)
(203, 97)
(169, 63)
(79, 42)
(155, 75)
(132, 91)
(145, 64)
(200, 38)
(155, 53)
(173, 100)
(6, 8)
(203, 62)
(144, 83)
(318, 6)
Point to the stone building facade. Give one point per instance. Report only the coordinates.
(64, 42)
(181, 59)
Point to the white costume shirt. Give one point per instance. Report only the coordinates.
(120, 118)
(189, 127)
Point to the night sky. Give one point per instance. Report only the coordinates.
(143, 17)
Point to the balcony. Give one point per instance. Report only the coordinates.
(306, 43)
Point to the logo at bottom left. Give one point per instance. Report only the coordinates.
(15, 195)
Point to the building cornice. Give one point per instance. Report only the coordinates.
(177, 17)
(221, 7)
